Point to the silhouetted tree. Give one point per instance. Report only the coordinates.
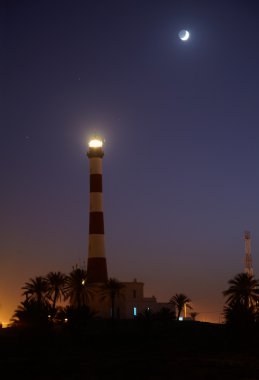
(242, 300)
(55, 288)
(36, 290)
(77, 290)
(31, 313)
(112, 290)
(243, 290)
(180, 301)
(239, 315)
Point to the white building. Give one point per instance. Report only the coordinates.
(132, 302)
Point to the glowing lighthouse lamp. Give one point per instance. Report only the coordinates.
(95, 143)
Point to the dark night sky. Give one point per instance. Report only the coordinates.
(181, 124)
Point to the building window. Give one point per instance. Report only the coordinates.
(134, 294)
(134, 311)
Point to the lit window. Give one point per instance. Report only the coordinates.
(134, 311)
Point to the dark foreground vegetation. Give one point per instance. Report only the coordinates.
(136, 349)
(49, 341)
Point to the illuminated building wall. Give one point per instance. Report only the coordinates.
(132, 302)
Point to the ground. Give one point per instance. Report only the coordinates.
(130, 350)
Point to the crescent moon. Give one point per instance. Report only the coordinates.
(184, 35)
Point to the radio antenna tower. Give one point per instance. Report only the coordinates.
(248, 256)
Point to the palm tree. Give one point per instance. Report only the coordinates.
(112, 289)
(56, 288)
(180, 301)
(77, 289)
(243, 290)
(30, 313)
(239, 315)
(36, 290)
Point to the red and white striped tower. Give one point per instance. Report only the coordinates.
(96, 264)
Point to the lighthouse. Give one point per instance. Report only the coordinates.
(96, 263)
(132, 300)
